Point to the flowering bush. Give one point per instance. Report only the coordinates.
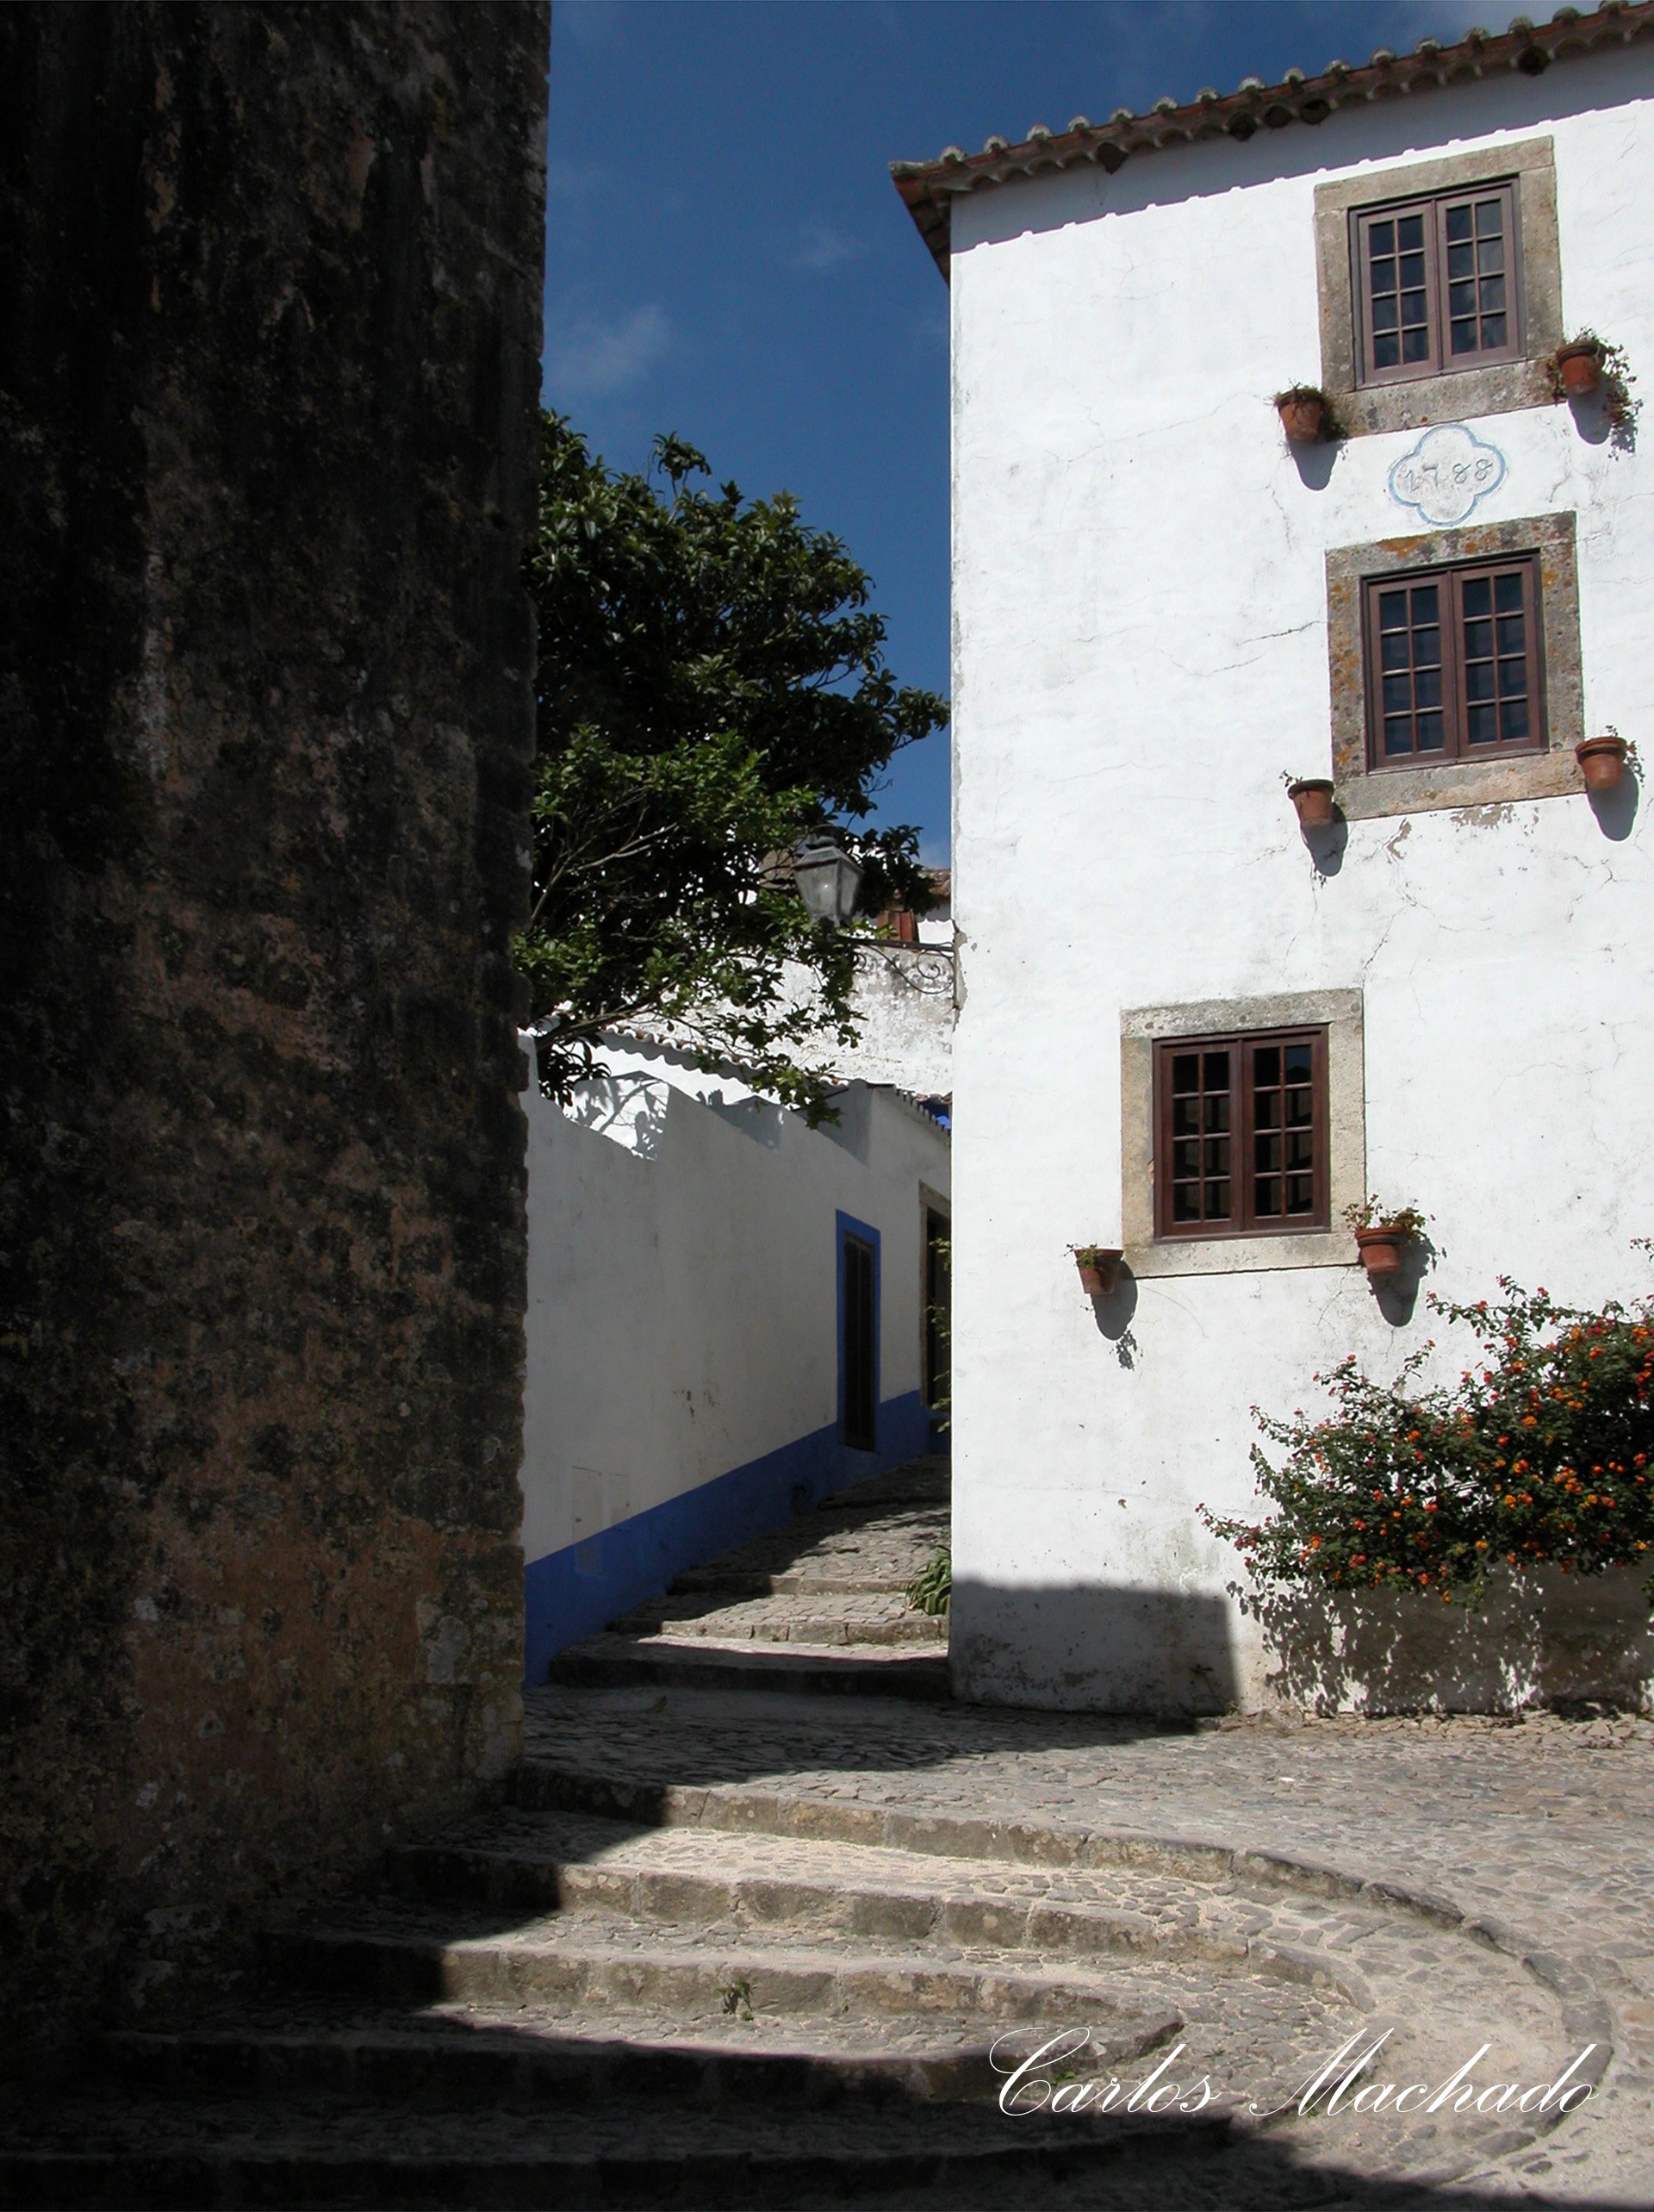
(1540, 1454)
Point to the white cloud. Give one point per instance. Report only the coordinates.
(589, 22)
(595, 355)
(821, 246)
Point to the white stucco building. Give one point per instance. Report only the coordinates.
(1161, 607)
(729, 1318)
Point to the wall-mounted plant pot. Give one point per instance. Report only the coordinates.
(1313, 797)
(1304, 420)
(1380, 1249)
(1099, 1273)
(1601, 762)
(1579, 370)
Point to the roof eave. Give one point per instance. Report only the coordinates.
(930, 188)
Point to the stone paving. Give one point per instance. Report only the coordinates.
(736, 1944)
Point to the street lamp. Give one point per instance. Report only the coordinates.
(828, 878)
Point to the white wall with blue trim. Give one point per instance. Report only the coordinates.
(685, 1354)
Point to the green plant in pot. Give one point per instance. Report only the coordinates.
(1382, 1233)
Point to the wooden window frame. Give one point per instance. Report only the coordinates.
(1242, 1220)
(1440, 360)
(1458, 751)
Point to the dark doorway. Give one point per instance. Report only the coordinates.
(858, 1338)
(938, 1294)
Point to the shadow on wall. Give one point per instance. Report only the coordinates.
(1154, 1653)
(1552, 1639)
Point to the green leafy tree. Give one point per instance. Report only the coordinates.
(712, 688)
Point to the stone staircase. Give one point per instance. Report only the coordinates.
(819, 1606)
(726, 1946)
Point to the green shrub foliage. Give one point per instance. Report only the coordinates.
(1539, 1453)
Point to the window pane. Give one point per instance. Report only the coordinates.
(1480, 725)
(1459, 221)
(1413, 269)
(1424, 602)
(1217, 1161)
(1513, 631)
(1185, 1159)
(1409, 232)
(1300, 1194)
(1216, 1071)
(1512, 720)
(1186, 1202)
(1492, 293)
(1185, 1072)
(1392, 610)
(1266, 1199)
(1386, 352)
(1512, 678)
(1461, 261)
(1266, 1153)
(1398, 736)
(1185, 1117)
(1493, 330)
(1478, 680)
(1478, 640)
(1393, 648)
(1464, 338)
(1461, 298)
(1508, 594)
(1217, 1201)
(1217, 1111)
(1426, 687)
(1478, 595)
(1431, 733)
(1297, 1063)
(1489, 217)
(1382, 237)
(1398, 693)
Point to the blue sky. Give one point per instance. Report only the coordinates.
(726, 257)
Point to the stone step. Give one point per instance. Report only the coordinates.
(591, 1963)
(882, 1617)
(608, 1661)
(572, 1862)
(467, 2054)
(736, 1583)
(142, 2152)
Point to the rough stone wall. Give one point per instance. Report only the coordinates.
(270, 297)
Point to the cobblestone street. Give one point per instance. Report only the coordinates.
(738, 1935)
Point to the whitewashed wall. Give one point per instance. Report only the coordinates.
(682, 1379)
(1141, 649)
(903, 1006)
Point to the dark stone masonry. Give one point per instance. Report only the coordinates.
(270, 302)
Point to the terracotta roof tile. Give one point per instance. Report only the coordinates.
(930, 187)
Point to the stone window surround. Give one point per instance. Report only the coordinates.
(1365, 794)
(1141, 1028)
(1453, 395)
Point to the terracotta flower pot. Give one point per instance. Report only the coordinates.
(1380, 1247)
(1099, 1277)
(1304, 420)
(1313, 797)
(1580, 368)
(1601, 762)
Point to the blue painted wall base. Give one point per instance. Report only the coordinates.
(577, 1591)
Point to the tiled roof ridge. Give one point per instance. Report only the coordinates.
(928, 187)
